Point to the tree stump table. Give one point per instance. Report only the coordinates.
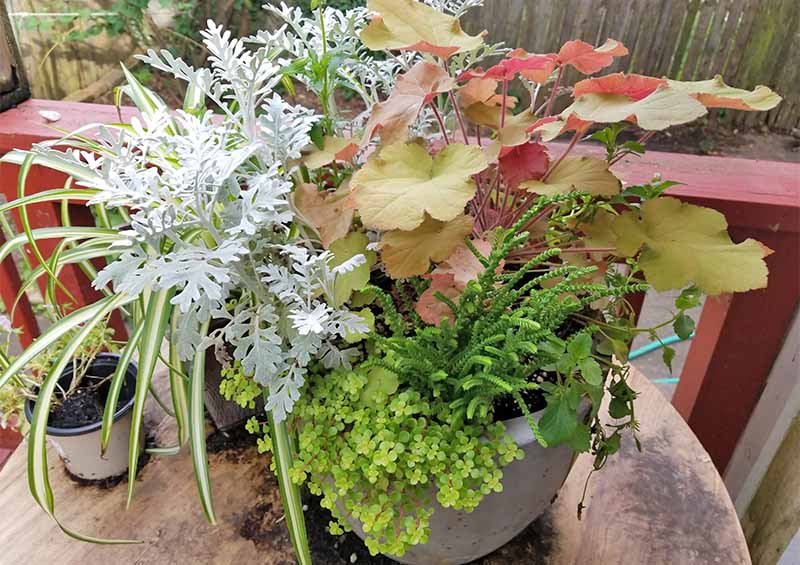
(665, 505)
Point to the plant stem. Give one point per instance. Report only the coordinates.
(504, 104)
(456, 111)
(441, 123)
(552, 98)
(575, 138)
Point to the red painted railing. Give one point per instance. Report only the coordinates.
(738, 336)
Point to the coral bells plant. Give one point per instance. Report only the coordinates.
(400, 284)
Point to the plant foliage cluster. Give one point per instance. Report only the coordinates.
(387, 282)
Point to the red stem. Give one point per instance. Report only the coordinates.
(456, 111)
(504, 104)
(566, 152)
(487, 197)
(552, 98)
(539, 216)
(441, 123)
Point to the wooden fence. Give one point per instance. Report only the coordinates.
(749, 42)
(56, 68)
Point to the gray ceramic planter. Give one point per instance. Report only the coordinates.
(529, 486)
(79, 448)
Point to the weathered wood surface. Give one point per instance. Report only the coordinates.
(666, 505)
(7, 81)
(57, 68)
(773, 518)
(750, 42)
(13, 83)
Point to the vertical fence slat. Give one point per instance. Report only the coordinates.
(748, 41)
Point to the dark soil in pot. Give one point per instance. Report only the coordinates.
(75, 421)
(83, 407)
(82, 410)
(506, 408)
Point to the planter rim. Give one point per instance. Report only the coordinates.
(131, 373)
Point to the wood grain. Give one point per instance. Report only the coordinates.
(750, 42)
(666, 505)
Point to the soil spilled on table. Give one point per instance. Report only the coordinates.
(232, 443)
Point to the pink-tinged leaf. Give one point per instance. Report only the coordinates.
(663, 108)
(463, 264)
(714, 93)
(508, 68)
(552, 126)
(431, 309)
(539, 76)
(413, 90)
(525, 162)
(635, 87)
(483, 91)
(411, 25)
(588, 59)
(328, 212)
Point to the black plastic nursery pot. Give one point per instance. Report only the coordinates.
(225, 414)
(79, 446)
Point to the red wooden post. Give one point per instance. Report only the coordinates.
(738, 339)
(21, 127)
(739, 335)
(23, 316)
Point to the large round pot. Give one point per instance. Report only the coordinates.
(79, 447)
(529, 486)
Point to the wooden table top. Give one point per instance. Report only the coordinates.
(666, 505)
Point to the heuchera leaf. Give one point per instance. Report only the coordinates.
(714, 93)
(525, 162)
(409, 253)
(552, 126)
(635, 87)
(463, 264)
(399, 185)
(515, 63)
(582, 174)
(484, 91)
(588, 59)
(411, 25)
(683, 243)
(451, 278)
(413, 90)
(347, 248)
(663, 108)
(541, 75)
(333, 149)
(328, 212)
(429, 307)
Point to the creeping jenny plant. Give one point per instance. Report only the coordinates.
(394, 282)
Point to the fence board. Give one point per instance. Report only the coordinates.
(750, 42)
